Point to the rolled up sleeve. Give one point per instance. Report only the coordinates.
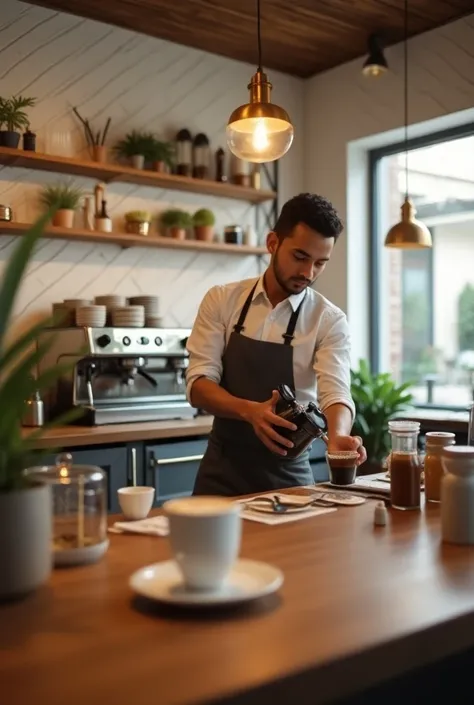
(207, 342)
(332, 363)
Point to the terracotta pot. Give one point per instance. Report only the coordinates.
(177, 233)
(99, 153)
(204, 232)
(138, 161)
(159, 166)
(63, 218)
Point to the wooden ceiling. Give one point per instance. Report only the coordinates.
(300, 37)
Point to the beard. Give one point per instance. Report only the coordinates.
(291, 285)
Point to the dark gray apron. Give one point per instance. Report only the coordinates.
(236, 461)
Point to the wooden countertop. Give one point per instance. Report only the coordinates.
(71, 436)
(358, 606)
(439, 419)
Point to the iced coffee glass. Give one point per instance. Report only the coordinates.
(405, 469)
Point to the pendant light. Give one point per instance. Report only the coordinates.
(376, 64)
(409, 233)
(259, 131)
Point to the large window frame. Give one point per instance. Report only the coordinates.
(375, 157)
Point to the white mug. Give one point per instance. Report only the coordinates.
(136, 502)
(205, 535)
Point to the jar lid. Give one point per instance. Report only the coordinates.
(403, 426)
(440, 438)
(461, 452)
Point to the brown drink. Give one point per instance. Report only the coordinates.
(342, 467)
(405, 480)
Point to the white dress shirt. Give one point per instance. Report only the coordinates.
(321, 346)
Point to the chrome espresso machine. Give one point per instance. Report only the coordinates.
(118, 375)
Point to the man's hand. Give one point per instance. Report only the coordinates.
(337, 443)
(262, 416)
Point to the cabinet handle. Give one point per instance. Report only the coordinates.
(173, 461)
(134, 466)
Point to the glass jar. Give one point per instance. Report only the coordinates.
(435, 442)
(310, 422)
(79, 510)
(405, 471)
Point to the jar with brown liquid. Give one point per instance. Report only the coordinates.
(405, 470)
(436, 441)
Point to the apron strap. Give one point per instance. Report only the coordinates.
(290, 331)
(239, 326)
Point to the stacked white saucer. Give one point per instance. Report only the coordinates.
(151, 304)
(128, 317)
(91, 316)
(111, 302)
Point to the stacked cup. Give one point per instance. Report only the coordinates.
(128, 317)
(63, 316)
(91, 316)
(151, 305)
(111, 302)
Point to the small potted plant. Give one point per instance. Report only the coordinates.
(14, 118)
(95, 140)
(204, 221)
(160, 154)
(138, 222)
(25, 503)
(175, 223)
(65, 200)
(134, 148)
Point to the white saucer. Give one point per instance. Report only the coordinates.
(248, 580)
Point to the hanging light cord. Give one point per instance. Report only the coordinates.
(259, 37)
(406, 96)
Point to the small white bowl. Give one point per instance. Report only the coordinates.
(136, 502)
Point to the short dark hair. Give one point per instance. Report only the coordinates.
(314, 211)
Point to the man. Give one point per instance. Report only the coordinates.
(251, 336)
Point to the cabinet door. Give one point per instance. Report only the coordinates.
(114, 461)
(172, 467)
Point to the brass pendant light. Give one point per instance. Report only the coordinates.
(259, 131)
(409, 233)
(376, 64)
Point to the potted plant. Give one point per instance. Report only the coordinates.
(65, 200)
(95, 140)
(204, 221)
(137, 222)
(160, 154)
(378, 399)
(176, 222)
(134, 147)
(14, 118)
(25, 504)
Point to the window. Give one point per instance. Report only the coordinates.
(422, 324)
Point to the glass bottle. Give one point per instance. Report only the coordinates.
(102, 221)
(435, 442)
(79, 510)
(405, 471)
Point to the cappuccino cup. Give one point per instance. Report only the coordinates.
(205, 536)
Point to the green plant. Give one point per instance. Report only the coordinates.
(378, 399)
(466, 318)
(138, 217)
(12, 112)
(61, 197)
(134, 143)
(204, 217)
(175, 218)
(18, 364)
(158, 151)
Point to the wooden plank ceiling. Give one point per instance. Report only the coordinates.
(300, 37)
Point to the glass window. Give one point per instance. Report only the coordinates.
(423, 327)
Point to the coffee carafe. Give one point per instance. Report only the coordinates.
(310, 421)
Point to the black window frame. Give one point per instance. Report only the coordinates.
(375, 157)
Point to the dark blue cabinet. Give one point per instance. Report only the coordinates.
(171, 467)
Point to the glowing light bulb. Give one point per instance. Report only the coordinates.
(260, 136)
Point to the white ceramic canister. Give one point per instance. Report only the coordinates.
(457, 495)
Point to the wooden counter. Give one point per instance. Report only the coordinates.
(359, 605)
(438, 419)
(72, 436)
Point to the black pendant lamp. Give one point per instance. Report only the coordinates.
(409, 233)
(259, 131)
(376, 64)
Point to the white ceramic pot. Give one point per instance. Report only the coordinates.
(26, 518)
(138, 161)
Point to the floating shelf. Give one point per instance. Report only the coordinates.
(123, 174)
(127, 240)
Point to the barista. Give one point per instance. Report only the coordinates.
(251, 336)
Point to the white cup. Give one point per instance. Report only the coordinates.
(136, 502)
(205, 535)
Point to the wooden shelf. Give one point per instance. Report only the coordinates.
(127, 240)
(123, 174)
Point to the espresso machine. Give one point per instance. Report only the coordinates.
(117, 375)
